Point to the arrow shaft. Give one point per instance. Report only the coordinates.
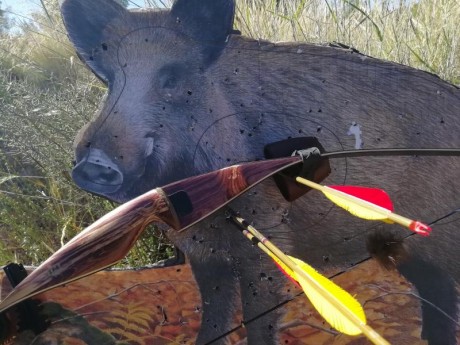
(401, 220)
(253, 239)
(272, 250)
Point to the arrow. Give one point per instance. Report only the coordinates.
(336, 306)
(367, 203)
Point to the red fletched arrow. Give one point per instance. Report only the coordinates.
(373, 195)
(367, 203)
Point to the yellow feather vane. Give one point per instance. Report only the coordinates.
(355, 209)
(319, 290)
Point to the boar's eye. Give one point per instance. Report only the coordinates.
(170, 76)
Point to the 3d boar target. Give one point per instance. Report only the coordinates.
(188, 94)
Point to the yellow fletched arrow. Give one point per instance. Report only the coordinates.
(366, 203)
(341, 310)
(317, 282)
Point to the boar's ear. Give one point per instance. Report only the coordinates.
(208, 21)
(88, 26)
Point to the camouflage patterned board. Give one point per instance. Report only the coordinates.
(162, 306)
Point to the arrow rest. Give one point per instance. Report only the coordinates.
(314, 168)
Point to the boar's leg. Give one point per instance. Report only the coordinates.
(219, 289)
(435, 286)
(438, 292)
(261, 285)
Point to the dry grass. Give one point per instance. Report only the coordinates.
(423, 34)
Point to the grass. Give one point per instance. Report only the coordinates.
(46, 95)
(423, 34)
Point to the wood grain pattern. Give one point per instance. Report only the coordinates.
(110, 238)
(209, 192)
(99, 246)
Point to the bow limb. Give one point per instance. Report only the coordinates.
(108, 240)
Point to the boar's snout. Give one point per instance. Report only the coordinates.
(97, 173)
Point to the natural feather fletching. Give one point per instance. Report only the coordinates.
(320, 290)
(373, 195)
(356, 209)
(321, 300)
